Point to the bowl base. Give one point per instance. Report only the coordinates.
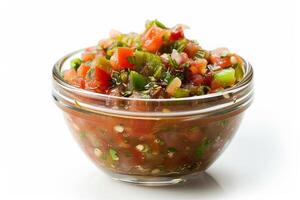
(155, 181)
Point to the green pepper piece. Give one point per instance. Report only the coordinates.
(205, 143)
(225, 77)
(75, 63)
(181, 92)
(103, 63)
(155, 22)
(113, 154)
(137, 81)
(202, 90)
(239, 71)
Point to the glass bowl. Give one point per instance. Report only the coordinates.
(152, 141)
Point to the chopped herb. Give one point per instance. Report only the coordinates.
(201, 53)
(155, 22)
(172, 150)
(168, 77)
(90, 73)
(172, 62)
(127, 93)
(82, 135)
(179, 45)
(223, 122)
(205, 143)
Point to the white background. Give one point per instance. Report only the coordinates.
(40, 160)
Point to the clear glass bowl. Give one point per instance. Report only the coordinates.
(152, 141)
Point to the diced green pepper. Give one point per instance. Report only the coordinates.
(205, 143)
(103, 63)
(75, 63)
(152, 62)
(239, 71)
(181, 92)
(113, 154)
(137, 81)
(225, 77)
(124, 76)
(155, 22)
(172, 149)
(202, 90)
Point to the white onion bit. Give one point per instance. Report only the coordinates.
(119, 128)
(140, 147)
(97, 152)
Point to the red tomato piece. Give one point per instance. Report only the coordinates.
(70, 74)
(87, 56)
(177, 34)
(222, 62)
(191, 49)
(220, 57)
(82, 70)
(152, 39)
(78, 82)
(102, 76)
(197, 79)
(119, 59)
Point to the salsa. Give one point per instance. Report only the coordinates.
(152, 70)
(158, 63)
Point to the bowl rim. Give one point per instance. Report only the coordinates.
(56, 74)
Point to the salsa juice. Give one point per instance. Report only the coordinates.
(152, 147)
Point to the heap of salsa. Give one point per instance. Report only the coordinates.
(158, 63)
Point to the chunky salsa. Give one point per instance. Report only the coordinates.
(158, 63)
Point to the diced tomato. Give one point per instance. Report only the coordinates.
(191, 49)
(220, 57)
(152, 39)
(98, 80)
(215, 86)
(78, 82)
(137, 156)
(199, 66)
(82, 70)
(177, 34)
(222, 62)
(197, 79)
(208, 78)
(70, 74)
(119, 59)
(87, 56)
(101, 76)
(194, 136)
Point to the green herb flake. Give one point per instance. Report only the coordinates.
(154, 22)
(172, 150)
(82, 135)
(201, 53)
(223, 123)
(203, 146)
(113, 154)
(90, 73)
